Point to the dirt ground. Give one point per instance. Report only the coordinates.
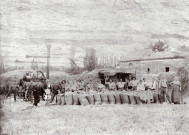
(150, 119)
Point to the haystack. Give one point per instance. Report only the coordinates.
(58, 76)
(88, 77)
(14, 75)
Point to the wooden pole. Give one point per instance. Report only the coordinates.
(48, 60)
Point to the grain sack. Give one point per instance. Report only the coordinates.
(104, 98)
(69, 99)
(98, 100)
(75, 99)
(124, 99)
(138, 101)
(59, 101)
(117, 98)
(62, 98)
(111, 99)
(83, 100)
(91, 99)
(143, 95)
(156, 99)
(132, 100)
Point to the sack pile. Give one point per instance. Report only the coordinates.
(133, 98)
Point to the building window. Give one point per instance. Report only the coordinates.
(166, 69)
(148, 70)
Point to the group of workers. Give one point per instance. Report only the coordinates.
(37, 89)
(144, 85)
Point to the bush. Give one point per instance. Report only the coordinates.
(184, 78)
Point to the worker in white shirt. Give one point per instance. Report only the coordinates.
(120, 85)
(134, 83)
(111, 84)
(164, 97)
(140, 86)
(154, 84)
(146, 84)
(100, 87)
(141, 91)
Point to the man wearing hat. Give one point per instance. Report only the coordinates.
(111, 84)
(29, 92)
(120, 85)
(134, 83)
(36, 93)
(63, 87)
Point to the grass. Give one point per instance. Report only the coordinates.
(102, 120)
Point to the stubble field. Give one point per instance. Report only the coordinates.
(150, 119)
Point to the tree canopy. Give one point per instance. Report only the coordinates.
(90, 59)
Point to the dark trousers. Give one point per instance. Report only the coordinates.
(129, 88)
(36, 98)
(53, 95)
(29, 96)
(164, 96)
(43, 96)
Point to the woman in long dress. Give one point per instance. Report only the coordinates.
(176, 91)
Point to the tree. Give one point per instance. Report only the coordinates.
(183, 73)
(34, 65)
(159, 46)
(90, 59)
(183, 48)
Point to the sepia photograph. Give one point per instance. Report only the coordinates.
(94, 67)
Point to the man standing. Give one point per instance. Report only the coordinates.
(154, 84)
(130, 85)
(134, 83)
(141, 86)
(120, 85)
(111, 85)
(81, 85)
(126, 83)
(54, 91)
(63, 87)
(163, 88)
(100, 87)
(36, 93)
(89, 86)
(146, 85)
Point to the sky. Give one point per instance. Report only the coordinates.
(110, 26)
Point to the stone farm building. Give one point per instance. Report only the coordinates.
(143, 63)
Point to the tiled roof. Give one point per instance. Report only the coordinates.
(147, 55)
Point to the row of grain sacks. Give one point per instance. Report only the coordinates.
(101, 99)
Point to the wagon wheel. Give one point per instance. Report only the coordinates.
(38, 75)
